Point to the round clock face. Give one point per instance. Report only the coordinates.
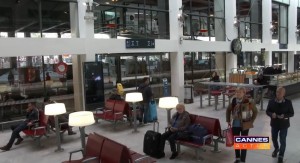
(236, 46)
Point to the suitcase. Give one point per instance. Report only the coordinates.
(152, 145)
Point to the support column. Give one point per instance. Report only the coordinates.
(80, 28)
(291, 62)
(266, 21)
(292, 23)
(268, 58)
(232, 33)
(176, 58)
(78, 83)
(219, 35)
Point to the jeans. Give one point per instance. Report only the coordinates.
(144, 108)
(171, 137)
(16, 132)
(238, 131)
(282, 139)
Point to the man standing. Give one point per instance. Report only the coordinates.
(31, 117)
(280, 110)
(146, 90)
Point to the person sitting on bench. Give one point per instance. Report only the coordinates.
(32, 115)
(61, 119)
(179, 123)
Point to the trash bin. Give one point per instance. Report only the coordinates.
(188, 94)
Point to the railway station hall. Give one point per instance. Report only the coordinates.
(144, 81)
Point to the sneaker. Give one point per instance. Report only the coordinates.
(274, 154)
(19, 141)
(280, 160)
(5, 148)
(174, 155)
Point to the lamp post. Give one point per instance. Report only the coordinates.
(81, 119)
(55, 110)
(168, 103)
(134, 97)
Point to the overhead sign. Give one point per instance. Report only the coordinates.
(61, 68)
(283, 46)
(139, 43)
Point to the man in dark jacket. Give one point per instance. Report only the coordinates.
(179, 123)
(32, 115)
(146, 90)
(280, 110)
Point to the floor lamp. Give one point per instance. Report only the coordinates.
(55, 110)
(168, 103)
(81, 119)
(134, 97)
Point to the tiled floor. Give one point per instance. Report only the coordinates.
(27, 152)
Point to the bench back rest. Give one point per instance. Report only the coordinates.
(109, 104)
(211, 124)
(111, 152)
(43, 119)
(120, 106)
(94, 145)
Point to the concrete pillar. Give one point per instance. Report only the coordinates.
(268, 58)
(78, 83)
(232, 33)
(292, 22)
(291, 62)
(266, 21)
(176, 58)
(219, 8)
(80, 28)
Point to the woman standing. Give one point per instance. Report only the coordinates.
(241, 114)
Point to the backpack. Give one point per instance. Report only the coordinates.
(197, 133)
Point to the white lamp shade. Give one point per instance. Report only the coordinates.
(134, 97)
(55, 109)
(81, 118)
(168, 102)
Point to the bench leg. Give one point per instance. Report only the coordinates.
(223, 101)
(201, 100)
(197, 153)
(216, 102)
(178, 148)
(216, 147)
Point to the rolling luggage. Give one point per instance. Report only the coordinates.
(152, 145)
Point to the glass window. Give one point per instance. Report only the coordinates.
(280, 59)
(279, 23)
(24, 17)
(129, 70)
(142, 19)
(204, 21)
(28, 78)
(250, 20)
(198, 66)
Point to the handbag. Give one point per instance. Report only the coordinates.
(229, 137)
(247, 125)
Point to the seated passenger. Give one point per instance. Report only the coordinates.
(114, 95)
(61, 119)
(179, 123)
(32, 115)
(214, 77)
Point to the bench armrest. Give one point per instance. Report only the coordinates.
(78, 150)
(90, 159)
(206, 137)
(99, 110)
(38, 128)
